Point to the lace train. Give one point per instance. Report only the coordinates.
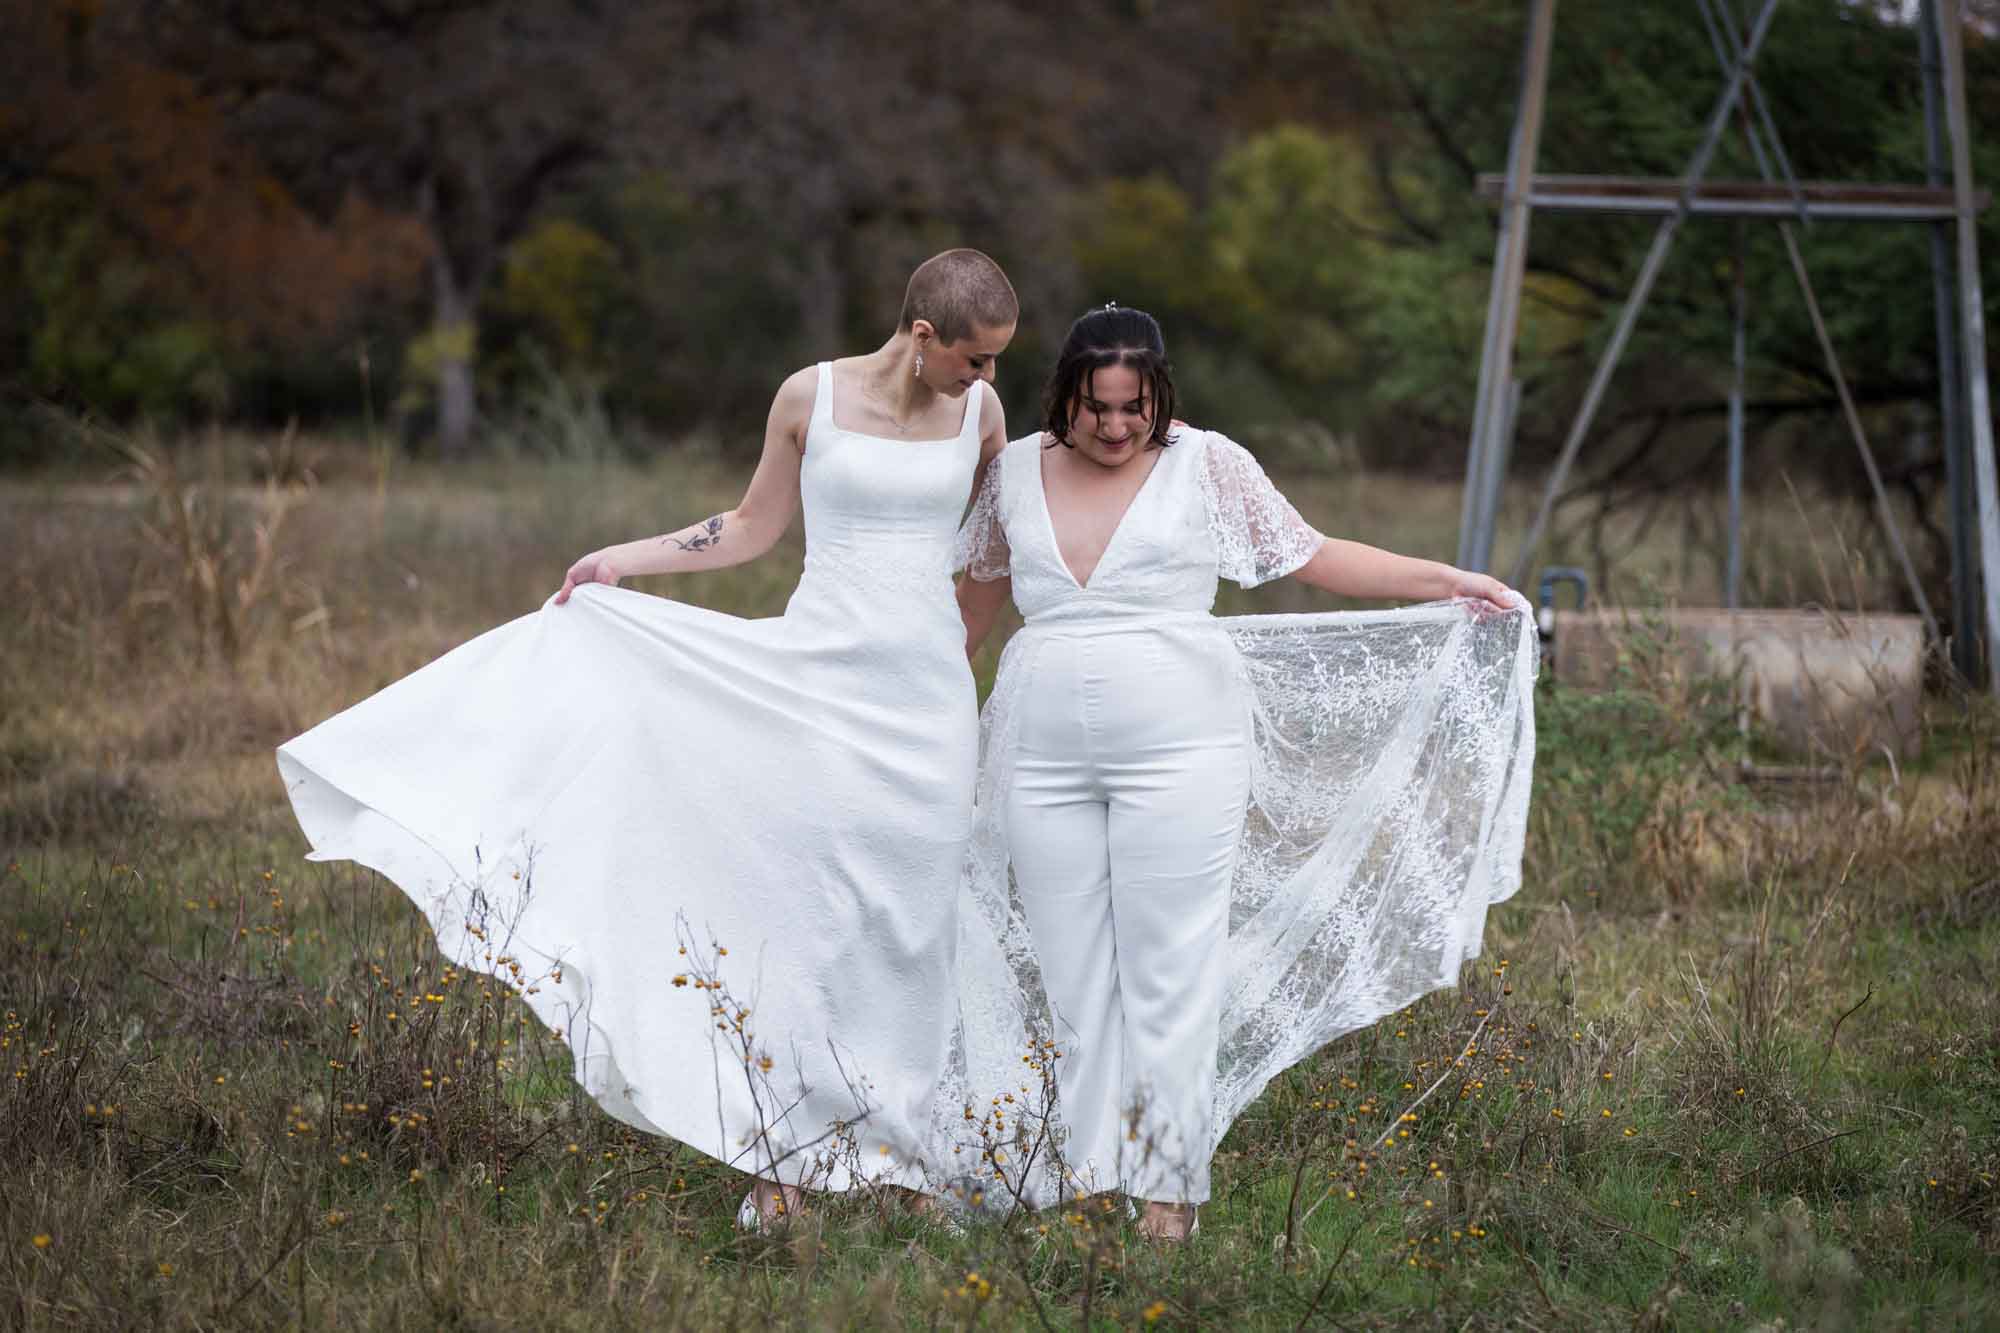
(1393, 757)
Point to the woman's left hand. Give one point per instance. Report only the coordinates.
(1491, 593)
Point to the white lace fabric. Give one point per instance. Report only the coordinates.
(1257, 534)
(982, 550)
(1392, 757)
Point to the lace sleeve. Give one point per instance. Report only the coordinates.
(982, 549)
(1258, 535)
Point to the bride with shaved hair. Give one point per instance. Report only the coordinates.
(720, 857)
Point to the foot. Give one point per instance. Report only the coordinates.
(934, 1209)
(768, 1205)
(1171, 1222)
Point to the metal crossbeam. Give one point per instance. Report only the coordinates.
(1811, 200)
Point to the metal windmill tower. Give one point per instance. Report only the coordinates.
(1951, 213)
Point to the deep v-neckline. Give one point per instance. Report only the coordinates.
(1117, 529)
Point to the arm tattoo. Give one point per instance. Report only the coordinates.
(702, 536)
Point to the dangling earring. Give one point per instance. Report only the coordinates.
(919, 371)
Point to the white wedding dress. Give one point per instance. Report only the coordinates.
(576, 797)
(1391, 759)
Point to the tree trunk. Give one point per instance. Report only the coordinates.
(455, 333)
(821, 303)
(822, 291)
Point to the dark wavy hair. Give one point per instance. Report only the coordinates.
(1111, 335)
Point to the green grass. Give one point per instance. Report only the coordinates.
(207, 1109)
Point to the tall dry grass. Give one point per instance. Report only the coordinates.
(1732, 1057)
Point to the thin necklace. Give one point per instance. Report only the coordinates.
(887, 410)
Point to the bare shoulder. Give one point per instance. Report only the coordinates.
(992, 416)
(796, 394)
(792, 405)
(992, 423)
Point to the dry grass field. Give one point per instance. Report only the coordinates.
(1732, 1058)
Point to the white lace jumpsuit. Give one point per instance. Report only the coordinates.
(1230, 839)
(1131, 771)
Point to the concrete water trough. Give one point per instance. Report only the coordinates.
(1819, 683)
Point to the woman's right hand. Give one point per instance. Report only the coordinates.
(593, 568)
(1489, 595)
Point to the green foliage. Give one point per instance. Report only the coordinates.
(1313, 245)
(561, 284)
(1140, 242)
(1290, 226)
(1430, 308)
(668, 305)
(1261, 288)
(1629, 93)
(424, 358)
(1621, 774)
(559, 417)
(99, 323)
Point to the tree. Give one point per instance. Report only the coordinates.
(467, 114)
(146, 261)
(867, 135)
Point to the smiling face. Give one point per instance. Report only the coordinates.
(1111, 395)
(953, 368)
(1111, 417)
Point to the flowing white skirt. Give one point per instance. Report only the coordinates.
(577, 796)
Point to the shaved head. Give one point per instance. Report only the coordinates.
(958, 291)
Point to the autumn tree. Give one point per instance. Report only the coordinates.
(146, 260)
(466, 114)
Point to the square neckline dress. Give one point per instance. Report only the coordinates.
(576, 797)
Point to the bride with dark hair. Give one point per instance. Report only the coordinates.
(1206, 847)
(618, 793)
